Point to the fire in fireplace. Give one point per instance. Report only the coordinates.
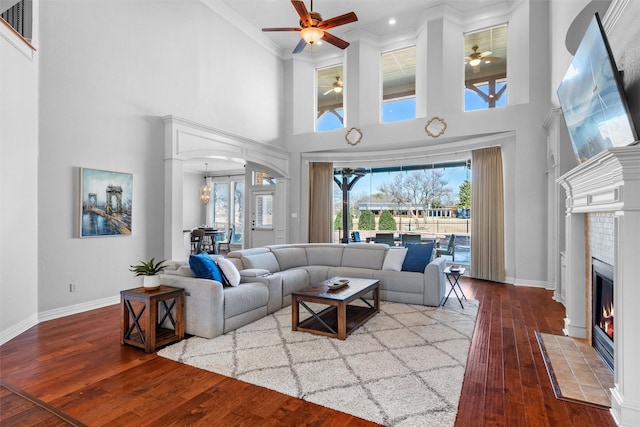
(603, 310)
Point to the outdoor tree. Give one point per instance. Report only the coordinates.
(386, 221)
(367, 221)
(420, 189)
(464, 194)
(337, 222)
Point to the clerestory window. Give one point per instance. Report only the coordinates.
(399, 85)
(330, 98)
(485, 70)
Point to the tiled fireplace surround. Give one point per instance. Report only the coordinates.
(603, 221)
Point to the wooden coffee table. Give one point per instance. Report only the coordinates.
(341, 318)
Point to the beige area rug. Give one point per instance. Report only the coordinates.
(404, 367)
(576, 371)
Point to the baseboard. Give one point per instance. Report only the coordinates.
(77, 308)
(15, 330)
(533, 284)
(624, 414)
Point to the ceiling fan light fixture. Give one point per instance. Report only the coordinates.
(337, 89)
(475, 62)
(311, 34)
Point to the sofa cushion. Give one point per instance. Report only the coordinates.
(317, 273)
(294, 280)
(418, 256)
(266, 261)
(204, 267)
(290, 257)
(394, 259)
(331, 256)
(184, 270)
(400, 281)
(244, 298)
(364, 273)
(230, 271)
(364, 255)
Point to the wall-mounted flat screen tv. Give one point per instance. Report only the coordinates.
(592, 98)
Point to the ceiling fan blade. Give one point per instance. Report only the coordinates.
(282, 29)
(305, 17)
(337, 42)
(328, 92)
(338, 20)
(300, 46)
(486, 53)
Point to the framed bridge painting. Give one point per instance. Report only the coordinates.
(106, 199)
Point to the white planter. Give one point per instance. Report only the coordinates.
(151, 283)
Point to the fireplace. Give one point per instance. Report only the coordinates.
(602, 314)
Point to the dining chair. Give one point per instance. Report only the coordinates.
(197, 236)
(226, 241)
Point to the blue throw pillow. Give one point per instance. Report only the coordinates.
(204, 267)
(418, 256)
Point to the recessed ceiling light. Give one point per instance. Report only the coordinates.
(392, 21)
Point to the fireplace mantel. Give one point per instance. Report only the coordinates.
(609, 182)
(600, 184)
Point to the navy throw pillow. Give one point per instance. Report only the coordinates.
(204, 267)
(418, 256)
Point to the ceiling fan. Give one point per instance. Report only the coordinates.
(313, 28)
(475, 59)
(338, 86)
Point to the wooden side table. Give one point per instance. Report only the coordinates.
(142, 328)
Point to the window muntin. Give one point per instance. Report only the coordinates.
(330, 98)
(485, 70)
(399, 85)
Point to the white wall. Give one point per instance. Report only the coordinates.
(18, 184)
(108, 75)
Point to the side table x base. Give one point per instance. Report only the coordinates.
(452, 277)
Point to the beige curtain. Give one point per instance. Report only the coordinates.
(487, 215)
(320, 202)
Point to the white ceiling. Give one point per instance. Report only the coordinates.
(373, 15)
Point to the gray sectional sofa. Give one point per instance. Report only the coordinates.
(270, 274)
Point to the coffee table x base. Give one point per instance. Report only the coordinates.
(341, 318)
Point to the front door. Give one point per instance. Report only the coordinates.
(262, 218)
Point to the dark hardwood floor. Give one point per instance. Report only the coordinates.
(75, 366)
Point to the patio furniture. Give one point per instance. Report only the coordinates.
(410, 238)
(449, 249)
(385, 238)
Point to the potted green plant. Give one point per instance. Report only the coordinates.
(149, 271)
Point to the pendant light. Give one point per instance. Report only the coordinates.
(205, 190)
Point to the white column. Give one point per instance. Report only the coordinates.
(575, 324)
(173, 195)
(625, 401)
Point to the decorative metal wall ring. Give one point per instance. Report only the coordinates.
(435, 127)
(353, 136)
